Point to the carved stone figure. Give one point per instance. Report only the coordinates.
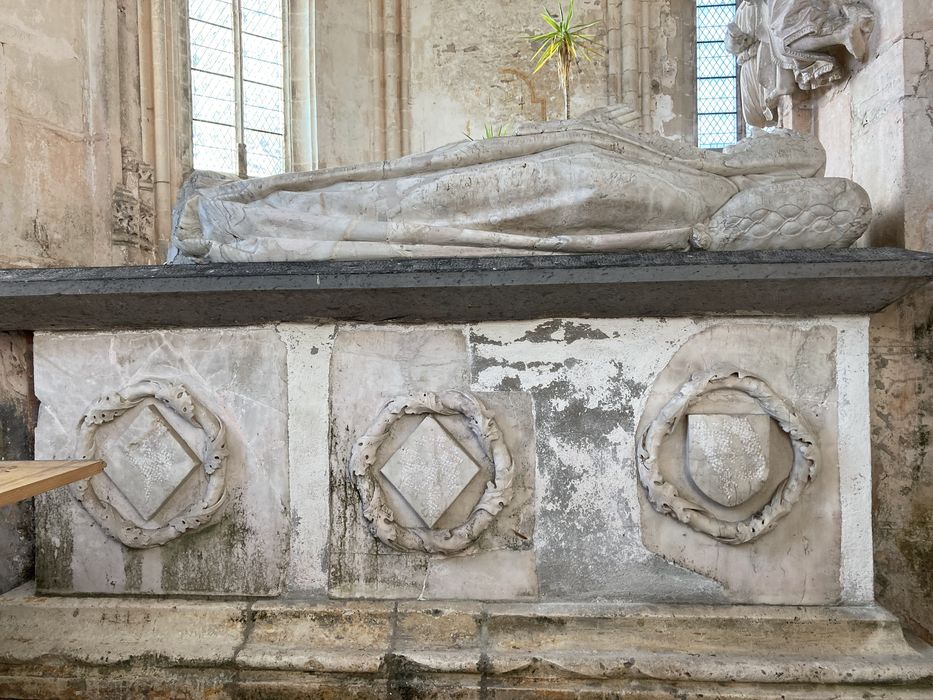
(785, 45)
(585, 185)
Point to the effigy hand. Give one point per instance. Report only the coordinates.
(620, 115)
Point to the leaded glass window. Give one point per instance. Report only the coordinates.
(237, 79)
(718, 115)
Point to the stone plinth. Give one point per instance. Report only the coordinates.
(616, 504)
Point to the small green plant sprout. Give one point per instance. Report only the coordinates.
(491, 132)
(564, 43)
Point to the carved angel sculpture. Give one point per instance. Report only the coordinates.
(785, 45)
(585, 185)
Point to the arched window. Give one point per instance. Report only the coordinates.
(719, 121)
(237, 86)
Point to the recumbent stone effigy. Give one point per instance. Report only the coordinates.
(584, 185)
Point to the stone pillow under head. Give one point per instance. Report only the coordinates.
(827, 212)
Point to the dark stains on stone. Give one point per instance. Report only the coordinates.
(133, 569)
(404, 677)
(54, 550)
(15, 431)
(480, 339)
(481, 363)
(510, 384)
(915, 540)
(552, 366)
(544, 332)
(923, 339)
(219, 558)
(17, 549)
(18, 413)
(39, 233)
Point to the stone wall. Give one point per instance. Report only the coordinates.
(878, 130)
(401, 77)
(85, 121)
(17, 422)
(70, 176)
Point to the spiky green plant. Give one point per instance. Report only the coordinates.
(491, 132)
(564, 43)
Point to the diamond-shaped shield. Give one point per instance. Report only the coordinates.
(148, 461)
(430, 470)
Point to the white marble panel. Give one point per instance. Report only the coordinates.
(240, 375)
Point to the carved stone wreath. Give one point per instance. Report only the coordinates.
(380, 517)
(214, 495)
(665, 499)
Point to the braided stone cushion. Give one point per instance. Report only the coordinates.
(811, 213)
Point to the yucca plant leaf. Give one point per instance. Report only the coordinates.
(566, 42)
(547, 56)
(546, 16)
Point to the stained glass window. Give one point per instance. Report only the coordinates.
(237, 78)
(718, 121)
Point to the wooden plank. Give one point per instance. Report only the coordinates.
(19, 480)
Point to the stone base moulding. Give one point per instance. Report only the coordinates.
(107, 648)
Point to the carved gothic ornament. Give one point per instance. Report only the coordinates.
(176, 398)
(788, 45)
(380, 517)
(666, 500)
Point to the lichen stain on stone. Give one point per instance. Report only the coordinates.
(55, 549)
(216, 558)
(915, 539)
(923, 339)
(132, 569)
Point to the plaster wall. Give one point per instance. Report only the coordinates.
(62, 110)
(398, 77)
(878, 130)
